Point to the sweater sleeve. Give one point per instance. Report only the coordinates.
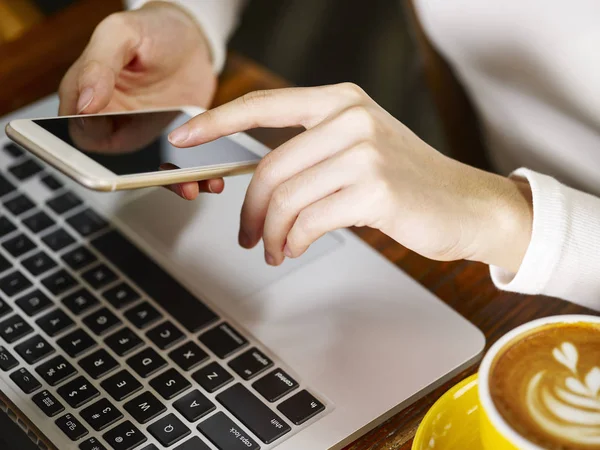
(217, 18)
(563, 257)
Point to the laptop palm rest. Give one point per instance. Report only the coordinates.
(201, 236)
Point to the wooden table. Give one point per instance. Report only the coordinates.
(32, 67)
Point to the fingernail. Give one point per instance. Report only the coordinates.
(287, 252)
(210, 189)
(269, 259)
(244, 239)
(85, 98)
(179, 136)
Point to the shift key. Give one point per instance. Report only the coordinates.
(253, 413)
(225, 434)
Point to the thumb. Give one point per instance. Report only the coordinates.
(113, 46)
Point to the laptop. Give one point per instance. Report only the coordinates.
(133, 320)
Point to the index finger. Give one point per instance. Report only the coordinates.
(275, 108)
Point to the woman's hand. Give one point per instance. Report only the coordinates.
(356, 165)
(153, 57)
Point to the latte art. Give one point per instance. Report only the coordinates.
(546, 385)
(567, 408)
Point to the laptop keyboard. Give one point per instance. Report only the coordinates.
(116, 352)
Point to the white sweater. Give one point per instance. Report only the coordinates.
(533, 72)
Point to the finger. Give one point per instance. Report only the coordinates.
(303, 151)
(275, 108)
(339, 210)
(190, 190)
(297, 193)
(67, 92)
(113, 45)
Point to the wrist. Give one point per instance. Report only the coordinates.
(506, 226)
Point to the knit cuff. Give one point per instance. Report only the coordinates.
(563, 257)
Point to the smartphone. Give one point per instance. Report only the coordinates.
(116, 151)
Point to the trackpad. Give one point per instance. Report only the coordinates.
(200, 237)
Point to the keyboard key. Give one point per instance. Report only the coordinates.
(91, 444)
(301, 407)
(38, 221)
(87, 222)
(6, 226)
(170, 384)
(188, 356)
(25, 169)
(165, 335)
(76, 343)
(27, 382)
(71, 427)
(142, 315)
(34, 302)
(250, 363)
(58, 239)
(145, 407)
(59, 282)
(146, 362)
(55, 322)
(13, 283)
(6, 186)
(64, 202)
(275, 385)
(38, 263)
(99, 276)
(5, 308)
(223, 340)
(253, 413)
(158, 284)
(56, 370)
(51, 182)
(5, 264)
(101, 321)
(98, 364)
(78, 392)
(48, 403)
(18, 245)
(101, 414)
(121, 295)
(13, 150)
(19, 204)
(34, 349)
(121, 385)
(79, 258)
(7, 360)
(192, 444)
(123, 342)
(14, 328)
(124, 436)
(212, 377)
(80, 301)
(225, 434)
(169, 430)
(194, 406)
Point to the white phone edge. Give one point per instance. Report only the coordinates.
(87, 172)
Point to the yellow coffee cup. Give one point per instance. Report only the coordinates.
(495, 432)
(465, 417)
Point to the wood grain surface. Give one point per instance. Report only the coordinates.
(32, 66)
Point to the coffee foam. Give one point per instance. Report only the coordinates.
(547, 386)
(567, 407)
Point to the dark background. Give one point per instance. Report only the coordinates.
(315, 42)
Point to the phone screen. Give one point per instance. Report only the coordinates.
(129, 144)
